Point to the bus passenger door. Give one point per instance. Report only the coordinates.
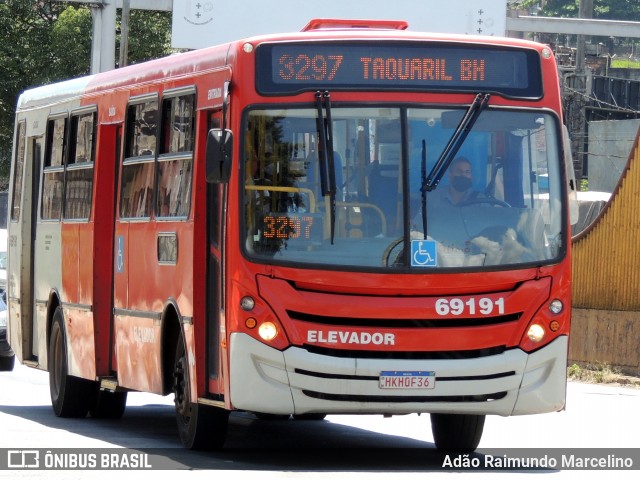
(109, 138)
(216, 199)
(24, 335)
(38, 328)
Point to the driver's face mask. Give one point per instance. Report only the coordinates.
(460, 183)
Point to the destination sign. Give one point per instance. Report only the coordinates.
(415, 66)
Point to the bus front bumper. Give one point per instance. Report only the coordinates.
(295, 381)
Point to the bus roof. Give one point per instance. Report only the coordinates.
(215, 57)
(52, 94)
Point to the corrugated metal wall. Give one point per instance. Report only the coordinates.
(606, 256)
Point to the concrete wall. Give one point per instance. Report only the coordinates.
(610, 142)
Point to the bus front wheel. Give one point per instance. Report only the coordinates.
(70, 396)
(201, 427)
(457, 432)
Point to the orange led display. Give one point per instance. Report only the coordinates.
(288, 226)
(294, 68)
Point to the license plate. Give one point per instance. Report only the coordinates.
(407, 380)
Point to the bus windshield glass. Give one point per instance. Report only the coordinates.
(361, 202)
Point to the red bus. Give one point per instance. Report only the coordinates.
(354, 218)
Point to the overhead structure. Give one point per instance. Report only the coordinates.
(575, 26)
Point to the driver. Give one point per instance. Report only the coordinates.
(457, 193)
(459, 190)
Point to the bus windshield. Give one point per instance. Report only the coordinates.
(362, 201)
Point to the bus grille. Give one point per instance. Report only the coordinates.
(404, 323)
(399, 355)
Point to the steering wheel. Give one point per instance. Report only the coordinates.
(479, 200)
(386, 255)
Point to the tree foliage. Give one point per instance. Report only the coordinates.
(24, 30)
(602, 9)
(69, 35)
(45, 41)
(149, 35)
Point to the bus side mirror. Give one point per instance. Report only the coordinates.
(218, 155)
(572, 187)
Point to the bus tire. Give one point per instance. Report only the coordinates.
(271, 416)
(310, 416)
(201, 427)
(70, 396)
(457, 432)
(106, 404)
(7, 363)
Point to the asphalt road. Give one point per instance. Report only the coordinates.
(598, 420)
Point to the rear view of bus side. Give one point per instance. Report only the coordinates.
(279, 225)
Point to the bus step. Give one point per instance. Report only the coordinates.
(32, 362)
(109, 383)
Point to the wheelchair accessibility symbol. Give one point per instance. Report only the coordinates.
(423, 253)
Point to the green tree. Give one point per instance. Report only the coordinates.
(45, 41)
(602, 9)
(70, 44)
(628, 10)
(149, 35)
(24, 52)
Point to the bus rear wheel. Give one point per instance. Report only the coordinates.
(201, 427)
(70, 396)
(457, 432)
(7, 363)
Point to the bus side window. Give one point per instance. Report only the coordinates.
(136, 195)
(53, 173)
(175, 163)
(79, 180)
(16, 200)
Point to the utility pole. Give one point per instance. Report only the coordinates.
(576, 111)
(103, 57)
(124, 34)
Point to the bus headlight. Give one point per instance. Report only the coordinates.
(247, 303)
(268, 331)
(536, 333)
(556, 306)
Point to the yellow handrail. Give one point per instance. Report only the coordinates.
(383, 219)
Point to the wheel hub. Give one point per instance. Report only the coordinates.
(181, 388)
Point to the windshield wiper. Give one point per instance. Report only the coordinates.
(423, 190)
(325, 154)
(455, 142)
